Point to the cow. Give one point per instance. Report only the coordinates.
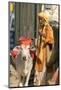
(22, 56)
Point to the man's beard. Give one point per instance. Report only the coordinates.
(41, 25)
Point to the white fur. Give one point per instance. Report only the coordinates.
(24, 67)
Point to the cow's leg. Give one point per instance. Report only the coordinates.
(28, 76)
(20, 80)
(35, 78)
(21, 83)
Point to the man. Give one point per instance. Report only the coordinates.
(44, 47)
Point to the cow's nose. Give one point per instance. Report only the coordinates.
(24, 58)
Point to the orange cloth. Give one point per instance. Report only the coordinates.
(41, 52)
(49, 35)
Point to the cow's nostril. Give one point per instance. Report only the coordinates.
(24, 58)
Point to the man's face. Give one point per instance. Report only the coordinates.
(41, 21)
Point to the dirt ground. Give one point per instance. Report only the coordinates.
(14, 81)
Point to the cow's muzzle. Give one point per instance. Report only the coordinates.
(24, 58)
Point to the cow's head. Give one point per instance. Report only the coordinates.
(25, 52)
(26, 48)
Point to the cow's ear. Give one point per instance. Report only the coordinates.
(32, 54)
(15, 52)
(18, 47)
(32, 48)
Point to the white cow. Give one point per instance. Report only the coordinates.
(23, 62)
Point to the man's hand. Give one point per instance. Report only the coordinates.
(42, 34)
